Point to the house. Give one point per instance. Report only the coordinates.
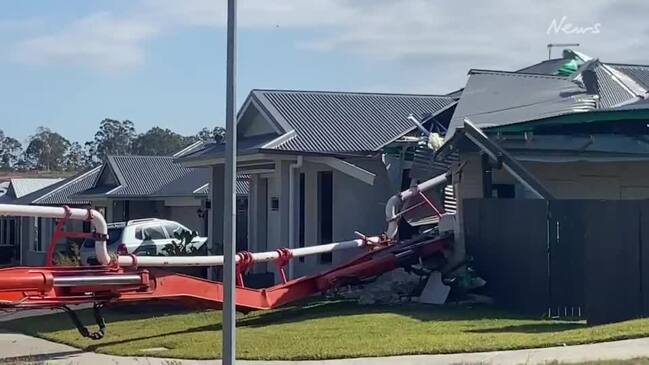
(321, 166)
(133, 187)
(123, 188)
(14, 230)
(575, 123)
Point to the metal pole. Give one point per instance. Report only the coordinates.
(229, 226)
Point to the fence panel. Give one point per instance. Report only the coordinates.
(567, 239)
(508, 240)
(612, 258)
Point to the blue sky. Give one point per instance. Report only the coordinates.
(67, 64)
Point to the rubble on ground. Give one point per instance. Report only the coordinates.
(392, 287)
(418, 285)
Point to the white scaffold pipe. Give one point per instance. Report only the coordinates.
(96, 220)
(257, 257)
(99, 224)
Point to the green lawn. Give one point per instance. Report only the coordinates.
(321, 330)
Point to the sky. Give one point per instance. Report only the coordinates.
(68, 64)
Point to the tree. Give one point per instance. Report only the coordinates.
(112, 138)
(10, 150)
(217, 134)
(46, 150)
(76, 158)
(159, 142)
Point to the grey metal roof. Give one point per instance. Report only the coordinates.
(24, 186)
(640, 73)
(612, 92)
(547, 67)
(493, 98)
(62, 192)
(146, 177)
(243, 186)
(345, 121)
(211, 149)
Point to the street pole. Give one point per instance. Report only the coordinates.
(229, 226)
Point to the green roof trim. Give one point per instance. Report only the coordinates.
(576, 118)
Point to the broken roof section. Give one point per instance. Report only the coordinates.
(323, 122)
(497, 99)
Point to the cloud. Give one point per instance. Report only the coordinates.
(101, 40)
(429, 41)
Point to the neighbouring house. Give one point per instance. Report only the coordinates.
(14, 230)
(123, 188)
(321, 166)
(578, 124)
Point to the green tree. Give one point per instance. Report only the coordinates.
(112, 138)
(46, 150)
(159, 142)
(10, 150)
(216, 134)
(76, 158)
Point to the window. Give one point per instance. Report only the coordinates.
(325, 210)
(138, 233)
(173, 228)
(154, 233)
(301, 227)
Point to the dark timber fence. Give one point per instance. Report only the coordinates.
(568, 258)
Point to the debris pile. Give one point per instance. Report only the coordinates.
(402, 286)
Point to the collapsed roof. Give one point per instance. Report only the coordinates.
(574, 84)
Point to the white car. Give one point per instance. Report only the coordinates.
(142, 237)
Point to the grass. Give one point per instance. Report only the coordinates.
(322, 330)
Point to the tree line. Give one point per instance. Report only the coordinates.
(49, 151)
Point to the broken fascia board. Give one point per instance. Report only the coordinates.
(346, 168)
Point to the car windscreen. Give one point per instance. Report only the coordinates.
(114, 235)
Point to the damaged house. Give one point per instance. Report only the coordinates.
(577, 124)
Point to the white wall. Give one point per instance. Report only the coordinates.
(357, 206)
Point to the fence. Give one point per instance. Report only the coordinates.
(585, 258)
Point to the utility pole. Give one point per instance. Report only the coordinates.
(229, 226)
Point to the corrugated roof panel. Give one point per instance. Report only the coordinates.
(24, 186)
(145, 175)
(497, 98)
(62, 195)
(610, 91)
(347, 122)
(243, 187)
(639, 73)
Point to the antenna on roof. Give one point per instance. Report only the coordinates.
(556, 45)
